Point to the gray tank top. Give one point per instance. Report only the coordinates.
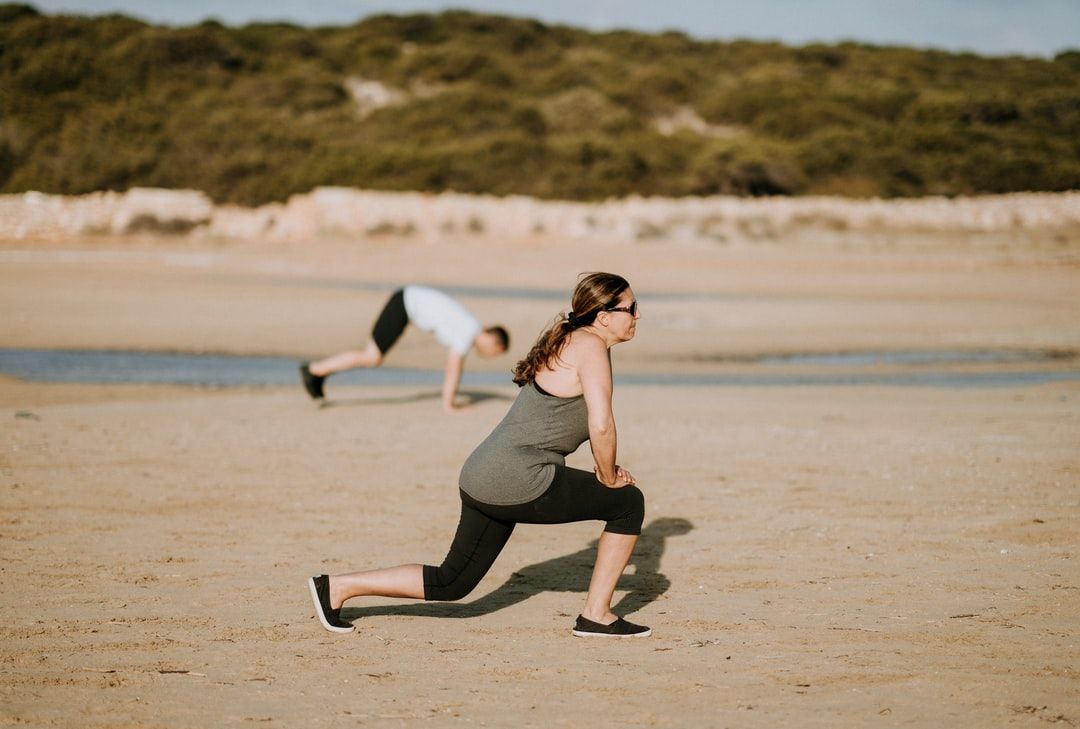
(516, 463)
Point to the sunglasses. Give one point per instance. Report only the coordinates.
(631, 310)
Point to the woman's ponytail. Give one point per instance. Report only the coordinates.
(594, 293)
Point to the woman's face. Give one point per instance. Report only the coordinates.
(623, 324)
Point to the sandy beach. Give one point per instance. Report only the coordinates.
(846, 555)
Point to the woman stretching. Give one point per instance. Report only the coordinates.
(519, 473)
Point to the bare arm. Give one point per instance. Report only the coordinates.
(594, 371)
(455, 364)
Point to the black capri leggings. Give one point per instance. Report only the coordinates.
(484, 529)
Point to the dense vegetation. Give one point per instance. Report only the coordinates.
(501, 105)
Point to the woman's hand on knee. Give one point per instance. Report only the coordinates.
(622, 477)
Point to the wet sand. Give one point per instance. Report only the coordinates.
(820, 556)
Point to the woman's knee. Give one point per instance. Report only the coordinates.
(637, 502)
(447, 585)
(632, 513)
(448, 593)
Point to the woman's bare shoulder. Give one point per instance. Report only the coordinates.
(587, 339)
(584, 344)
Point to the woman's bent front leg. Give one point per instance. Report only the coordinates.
(612, 556)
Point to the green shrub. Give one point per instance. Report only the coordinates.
(740, 169)
(830, 152)
(581, 109)
(450, 65)
(13, 12)
(57, 67)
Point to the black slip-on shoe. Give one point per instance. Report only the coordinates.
(585, 628)
(320, 595)
(312, 383)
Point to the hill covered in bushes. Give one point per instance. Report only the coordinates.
(486, 104)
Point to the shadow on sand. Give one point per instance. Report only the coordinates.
(569, 573)
(472, 397)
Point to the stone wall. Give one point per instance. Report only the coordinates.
(334, 211)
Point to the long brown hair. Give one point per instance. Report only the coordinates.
(594, 293)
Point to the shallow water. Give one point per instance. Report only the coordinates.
(905, 357)
(238, 371)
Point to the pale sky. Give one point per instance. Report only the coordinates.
(993, 27)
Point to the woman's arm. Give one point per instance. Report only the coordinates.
(594, 371)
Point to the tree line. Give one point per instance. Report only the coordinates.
(487, 104)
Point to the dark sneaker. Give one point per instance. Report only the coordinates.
(584, 628)
(312, 383)
(320, 595)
